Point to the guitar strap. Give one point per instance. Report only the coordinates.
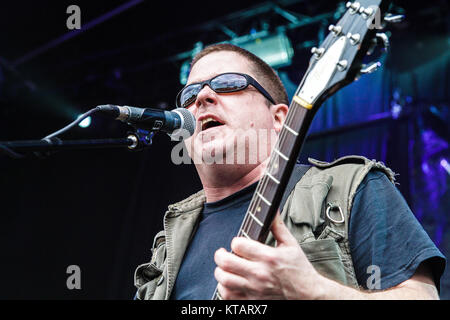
(297, 173)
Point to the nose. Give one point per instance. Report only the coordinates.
(205, 97)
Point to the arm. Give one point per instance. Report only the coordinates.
(420, 286)
(257, 271)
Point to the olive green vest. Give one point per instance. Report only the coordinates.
(317, 213)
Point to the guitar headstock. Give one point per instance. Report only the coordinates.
(338, 60)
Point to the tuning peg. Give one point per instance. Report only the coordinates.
(383, 38)
(354, 38)
(373, 67)
(393, 18)
(318, 52)
(354, 7)
(342, 65)
(366, 12)
(335, 29)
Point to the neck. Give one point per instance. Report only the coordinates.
(220, 181)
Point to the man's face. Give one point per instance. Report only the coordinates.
(239, 113)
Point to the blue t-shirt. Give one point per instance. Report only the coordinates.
(220, 222)
(383, 233)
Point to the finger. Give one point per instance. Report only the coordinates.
(251, 250)
(232, 263)
(227, 294)
(229, 280)
(281, 233)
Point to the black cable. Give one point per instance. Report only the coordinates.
(48, 138)
(10, 152)
(72, 124)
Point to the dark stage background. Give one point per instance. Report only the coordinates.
(99, 209)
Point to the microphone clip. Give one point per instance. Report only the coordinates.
(141, 139)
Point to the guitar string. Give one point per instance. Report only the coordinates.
(248, 220)
(261, 188)
(280, 141)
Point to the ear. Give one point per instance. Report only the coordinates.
(279, 113)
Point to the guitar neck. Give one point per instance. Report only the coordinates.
(269, 191)
(336, 63)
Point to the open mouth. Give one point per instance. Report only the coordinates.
(210, 123)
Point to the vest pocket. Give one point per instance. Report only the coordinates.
(147, 272)
(324, 255)
(308, 200)
(150, 275)
(146, 279)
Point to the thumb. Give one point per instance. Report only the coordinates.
(281, 233)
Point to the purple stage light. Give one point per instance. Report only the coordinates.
(444, 164)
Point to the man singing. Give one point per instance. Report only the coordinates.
(343, 231)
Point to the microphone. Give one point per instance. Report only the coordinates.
(178, 123)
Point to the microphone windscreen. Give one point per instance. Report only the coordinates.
(188, 124)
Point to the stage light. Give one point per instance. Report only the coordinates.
(276, 49)
(85, 123)
(396, 110)
(184, 73)
(444, 164)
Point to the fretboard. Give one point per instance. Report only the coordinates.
(337, 62)
(269, 191)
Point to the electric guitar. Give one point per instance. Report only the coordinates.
(336, 63)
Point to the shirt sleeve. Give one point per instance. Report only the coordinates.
(387, 242)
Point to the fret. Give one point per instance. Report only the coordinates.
(245, 234)
(290, 130)
(318, 84)
(263, 199)
(255, 218)
(280, 154)
(302, 102)
(273, 178)
(256, 223)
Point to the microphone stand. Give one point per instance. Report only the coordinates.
(135, 141)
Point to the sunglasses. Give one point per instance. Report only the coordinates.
(223, 83)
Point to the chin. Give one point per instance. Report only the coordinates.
(211, 152)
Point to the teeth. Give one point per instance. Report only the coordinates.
(207, 120)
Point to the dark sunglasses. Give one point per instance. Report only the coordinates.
(223, 83)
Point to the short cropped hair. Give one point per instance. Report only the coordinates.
(265, 74)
